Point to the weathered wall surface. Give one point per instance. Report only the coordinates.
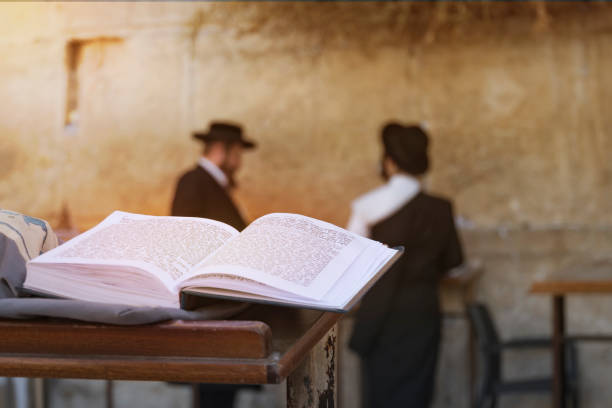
(517, 113)
(516, 98)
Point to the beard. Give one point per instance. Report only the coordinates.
(229, 173)
(383, 171)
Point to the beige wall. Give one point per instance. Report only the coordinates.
(517, 113)
(517, 98)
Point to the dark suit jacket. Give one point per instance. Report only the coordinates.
(198, 194)
(397, 327)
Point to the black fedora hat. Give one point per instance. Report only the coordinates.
(407, 146)
(224, 132)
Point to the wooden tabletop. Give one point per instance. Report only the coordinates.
(594, 277)
(463, 275)
(259, 346)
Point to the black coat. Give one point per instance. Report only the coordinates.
(397, 327)
(198, 194)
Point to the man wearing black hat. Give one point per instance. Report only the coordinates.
(397, 327)
(204, 192)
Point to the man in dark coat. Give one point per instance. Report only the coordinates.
(397, 327)
(204, 192)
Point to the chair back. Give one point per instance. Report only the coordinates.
(487, 340)
(483, 326)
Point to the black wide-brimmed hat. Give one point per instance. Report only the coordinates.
(407, 146)
(224, 132)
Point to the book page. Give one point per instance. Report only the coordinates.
(291, 252)
(168, 247)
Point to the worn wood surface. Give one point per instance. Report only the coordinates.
(212, 351)
(314, 382)
(231, 339)
(594, 277)
(569, 286)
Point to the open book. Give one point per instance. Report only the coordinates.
(146, 260)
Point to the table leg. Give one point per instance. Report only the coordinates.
(195, 396)
(468, 298)
(19, 395)
(314, 382)
(39, 393)
(472, 365)
(339, 357)
(109, 394)
(558, 351)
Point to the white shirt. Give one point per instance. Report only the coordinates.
(214, 171)
(380, 203)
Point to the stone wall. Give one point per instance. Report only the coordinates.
(515, 103)
(515, 96)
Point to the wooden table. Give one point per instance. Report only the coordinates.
(262, 345)
(595, 278)
(462, 280)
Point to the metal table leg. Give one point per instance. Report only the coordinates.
(109, 394)
(40, 397)
(559, 351)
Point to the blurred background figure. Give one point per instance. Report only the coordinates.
(398, 325)
(204, 191)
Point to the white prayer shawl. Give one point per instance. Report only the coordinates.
(32, 236)
(378, 204)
